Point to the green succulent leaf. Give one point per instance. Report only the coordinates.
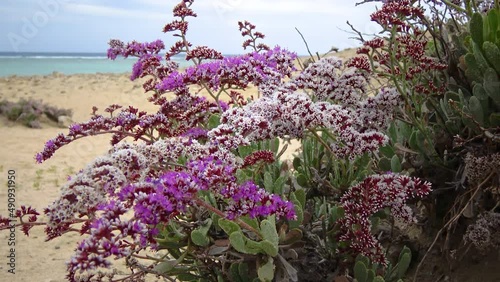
(495, 119)
(403, 265)
(476, 109)
(299, 211)
(244, 245)
(279, 185)
(229, 226)
(360, 271)
(384, 164)
(214, 121)
(269, 247)
(393, 133)
(297, 163)
(387, 151)
(165, 266)
(245, 150)
(480, 59)
(199, 235)
(492, 85)
(269, 233)
(472, 72)
(395, 164)
(233, 270)
(493, 17)
(300, 195)
(302, 180)
(476, 28)
(492, 54)
(266, 271)
(479, 92)
(251, 221)
(243, 272)
(268, 182)
(370, 275)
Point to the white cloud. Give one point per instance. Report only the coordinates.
(158, 3)
(112, 12)
(280, 6)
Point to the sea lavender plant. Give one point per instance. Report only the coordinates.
(375, 193)
(180, 187)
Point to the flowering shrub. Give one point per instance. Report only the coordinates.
(203, 184)
(441, 56)
(29, 112)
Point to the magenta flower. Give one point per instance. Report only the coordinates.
(373, 194)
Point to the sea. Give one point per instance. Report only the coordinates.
(30, 63)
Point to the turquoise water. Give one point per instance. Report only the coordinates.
(26, 64)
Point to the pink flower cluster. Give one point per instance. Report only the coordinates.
(397, 13)
(373, 194)
(411, 47)
(341, 106)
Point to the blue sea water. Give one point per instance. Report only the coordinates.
(26, 64)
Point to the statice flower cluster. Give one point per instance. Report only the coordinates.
(396, 13)
(248, 29)
(366, 198)
(477, 168)
(176, 117)
(411, 48)
(337, 101)
(106, 175)
(485, 5)
(188, 148)
(484, 234)
(267, 67)
(129, 178)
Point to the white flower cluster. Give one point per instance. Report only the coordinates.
(478, 168)
(125, 164)
(328, 80)
(485, 232)
(338, 102)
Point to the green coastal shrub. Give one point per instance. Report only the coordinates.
(29, 111)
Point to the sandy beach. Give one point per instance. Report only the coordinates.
(38, 184)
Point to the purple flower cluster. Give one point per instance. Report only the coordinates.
(256, 68)
(105, 177)
(108, 237)
(249, 199)
(373, 194)
(134, 48)
(174, 118)
(158, 200)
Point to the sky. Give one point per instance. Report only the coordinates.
(88, 25)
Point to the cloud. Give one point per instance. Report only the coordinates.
(158, 3)
(281, 7)
(112, 12)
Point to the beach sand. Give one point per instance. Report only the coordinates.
(38, 184)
